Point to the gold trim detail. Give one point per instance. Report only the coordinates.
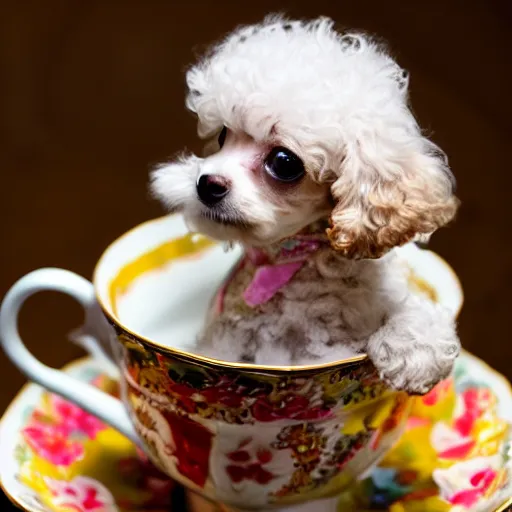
(505, 507)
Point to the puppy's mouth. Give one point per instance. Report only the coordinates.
(226, 219)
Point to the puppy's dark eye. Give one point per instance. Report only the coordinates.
(284, 165)
(222, 136)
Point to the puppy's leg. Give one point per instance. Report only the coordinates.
(416, 347)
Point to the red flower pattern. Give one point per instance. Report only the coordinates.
(52, 443)
(192, 445)
(225, 393)
(74, 419)
(245, 466)
(82, 494)
(49, 434)
(457, 441)
(289, 402)
(480, 482)
(476, 402)
(291, 406)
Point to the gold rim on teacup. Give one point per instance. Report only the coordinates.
(193, 357)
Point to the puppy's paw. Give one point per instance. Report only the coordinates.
(415, 368)
(416, 348)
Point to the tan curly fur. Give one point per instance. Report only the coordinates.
(388, 193)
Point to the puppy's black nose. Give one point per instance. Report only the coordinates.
(211, 189)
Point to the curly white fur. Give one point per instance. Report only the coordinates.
(339, 102)
(336, 308)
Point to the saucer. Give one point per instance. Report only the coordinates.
(455, 456)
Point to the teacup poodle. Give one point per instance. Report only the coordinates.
(316, 165)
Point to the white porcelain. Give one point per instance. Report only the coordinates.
(161, 312)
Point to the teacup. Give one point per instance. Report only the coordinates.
(249, 436)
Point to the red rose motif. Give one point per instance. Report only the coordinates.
(254, 472)
(192, 447)
(73, 418)
(239, 456)
(476, 401)
(247, 467)
(183, 390)
(184, 393)
(82, 494)
(226, 393)
(52, 443)
(458, 440)
(295, 407)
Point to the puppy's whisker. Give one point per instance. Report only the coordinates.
(226, 219)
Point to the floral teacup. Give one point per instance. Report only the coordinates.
(249, 436)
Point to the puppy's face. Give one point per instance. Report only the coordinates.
(253, 190)
(306, 123)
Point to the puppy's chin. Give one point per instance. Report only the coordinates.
(225, 229)
(219, 227)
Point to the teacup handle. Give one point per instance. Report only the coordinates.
(96, 402)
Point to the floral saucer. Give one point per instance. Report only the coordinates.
(455, 455)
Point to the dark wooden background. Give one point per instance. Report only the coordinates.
(91, 95)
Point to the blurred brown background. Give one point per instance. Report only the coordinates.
(91, 96)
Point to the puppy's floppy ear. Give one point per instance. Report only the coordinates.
(392, 187)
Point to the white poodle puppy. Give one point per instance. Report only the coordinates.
(317, 166)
